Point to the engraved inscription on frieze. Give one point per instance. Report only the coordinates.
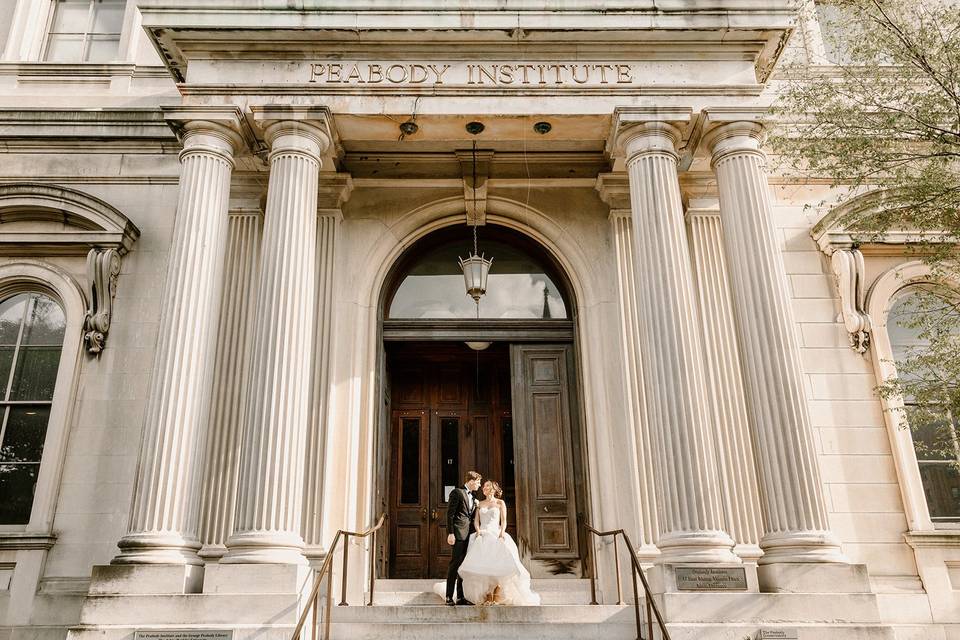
(183, 634)
(711, 578)
(501, 74)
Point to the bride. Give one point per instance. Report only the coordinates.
(492, 572)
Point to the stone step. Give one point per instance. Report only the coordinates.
(441, 614)
(795, 608)
(420, 592)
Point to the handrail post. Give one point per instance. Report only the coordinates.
(593, 567)
(649, 598)
(373, 565)
(636, 601)
(616, 560)
(329, 603)
(343, 579)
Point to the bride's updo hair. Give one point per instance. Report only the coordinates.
(497, 491)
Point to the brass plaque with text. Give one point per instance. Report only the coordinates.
(183, 634)
(711, 578)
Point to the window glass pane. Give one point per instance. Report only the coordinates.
(6, 358)
(410, 461)
(24, 435)
(901, 326)
(45, 322)
(11, 315)
(17, 484)
(64, 48)
(103, 49)
(36, 373)
(108, 16)
(932, 439)
(941, 484)
(71, 16)
(450, 452)
(517, 287)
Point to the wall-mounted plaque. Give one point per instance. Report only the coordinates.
(778, 634)
(183, 634)
(711, 578)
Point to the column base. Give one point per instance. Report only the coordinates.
(799, 547)
(809, 577)
(157, 548)
(746, 552)
(260, 578)
(133, 579)
(685, 577)
(699, 547)
(212, 552)
(264, 548)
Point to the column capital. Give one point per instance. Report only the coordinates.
(220, 130)
(638, 130)
(742, 136)
(288, 129)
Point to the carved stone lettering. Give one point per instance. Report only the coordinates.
(507, 74)
(711, 578)
(184, 634)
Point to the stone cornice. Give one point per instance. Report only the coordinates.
(54, 126)
(943, 538)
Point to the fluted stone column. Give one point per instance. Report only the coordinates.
(163, 517)
(795, 516)
(690, 516)
(218, 496)
(622, 229)
(738, 472)
(267, 525)
(328, 224)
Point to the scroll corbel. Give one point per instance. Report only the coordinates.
(848, 268)
(475, 168)
(103, 268)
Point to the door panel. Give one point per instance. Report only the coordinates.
(409, 537)
(542, 427)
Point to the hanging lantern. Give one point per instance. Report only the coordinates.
(475, 268)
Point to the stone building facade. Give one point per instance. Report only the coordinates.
(233, 323)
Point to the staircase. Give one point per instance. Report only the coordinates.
(409, 609)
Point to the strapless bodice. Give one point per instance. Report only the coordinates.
(490, 518)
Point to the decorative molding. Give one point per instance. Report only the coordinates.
(334, 190)
(103, 268)
(23, 540)
(104, 125)
(614, 190)
(96, 223)
(475, 175)
(849, 270)
(933, 539)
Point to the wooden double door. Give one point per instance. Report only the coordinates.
(452, 411)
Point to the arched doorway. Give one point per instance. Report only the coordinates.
(495, 393)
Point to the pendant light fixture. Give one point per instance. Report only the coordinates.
(476, 267)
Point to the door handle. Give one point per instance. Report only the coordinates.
(434, 515)
(546, 509)
(423, 513)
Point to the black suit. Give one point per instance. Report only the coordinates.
(460, 524)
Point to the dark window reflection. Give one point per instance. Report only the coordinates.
(410, 461)
(450, 452)
(31, 336)
(518, 287)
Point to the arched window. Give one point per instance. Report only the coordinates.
(522, 284)
(32, 329)
(915, 314)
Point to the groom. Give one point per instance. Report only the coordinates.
(460, 509)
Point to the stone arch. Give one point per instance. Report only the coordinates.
(91, 221)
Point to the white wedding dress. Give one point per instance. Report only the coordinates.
(492, 562)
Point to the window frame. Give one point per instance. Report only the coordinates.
(86, 35)
(884, 294)
(34, 275)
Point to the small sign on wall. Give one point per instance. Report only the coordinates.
(711, 578)
(183, 634)
(778, 634)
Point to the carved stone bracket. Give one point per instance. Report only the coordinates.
(475, 174)
(848, 268)
(103, 268)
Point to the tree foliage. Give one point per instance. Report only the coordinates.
(884, 114)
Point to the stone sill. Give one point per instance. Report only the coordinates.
(54, 70)
(24, 540)
(938, 539)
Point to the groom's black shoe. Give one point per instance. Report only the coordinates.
(450, 602)
(463, 601)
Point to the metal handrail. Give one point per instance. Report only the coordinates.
(653, 612)
(327, 568)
